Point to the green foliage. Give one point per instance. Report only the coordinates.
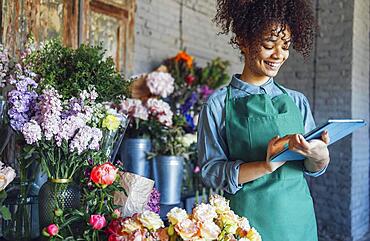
(168, 139)
(4, 211)
(72, 70)
(214, 74)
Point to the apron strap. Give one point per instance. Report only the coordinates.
(281, 88)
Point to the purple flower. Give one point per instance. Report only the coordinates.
(189, 102)
(205, 91)
(154, 199)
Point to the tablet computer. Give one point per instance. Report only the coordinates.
(337, 129)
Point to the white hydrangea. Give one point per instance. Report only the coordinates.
(161, 84)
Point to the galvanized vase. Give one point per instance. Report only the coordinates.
(133, 154)
(168, 173)
(57, 193)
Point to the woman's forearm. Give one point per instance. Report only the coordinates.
(251, 171)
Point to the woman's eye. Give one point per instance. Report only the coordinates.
(268, 47)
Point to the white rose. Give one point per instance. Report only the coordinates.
(176, 215)
(243, 223)
(7, 175)
(151, 220)
(220, 203)
(204, 212)
(209, 230)
(188, 139)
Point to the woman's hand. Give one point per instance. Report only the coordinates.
(275, 145)
(316, 151)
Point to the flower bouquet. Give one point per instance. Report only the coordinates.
(214, 221)
(143, 226)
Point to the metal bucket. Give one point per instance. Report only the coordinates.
(168, 173)
(133, 154)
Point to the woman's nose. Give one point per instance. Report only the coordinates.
(277, 54)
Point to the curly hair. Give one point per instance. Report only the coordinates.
(249, 19)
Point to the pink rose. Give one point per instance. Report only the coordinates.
(104, 174)
(52, 230)
(97, 221)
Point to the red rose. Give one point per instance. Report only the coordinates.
(189, 79)
(97, 221)
(104, 174)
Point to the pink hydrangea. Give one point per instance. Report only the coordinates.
(160, 110)
(161, 84)
(134, 108)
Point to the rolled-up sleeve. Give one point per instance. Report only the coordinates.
(217, 170)
(309, 125)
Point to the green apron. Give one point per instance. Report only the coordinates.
(278, 205)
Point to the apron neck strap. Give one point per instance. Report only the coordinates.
(280, 87)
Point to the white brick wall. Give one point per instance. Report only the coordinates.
(335, 80)
(158, 34)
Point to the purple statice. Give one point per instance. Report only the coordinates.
(189, 103)
(48, 114)
(205, 91)
(31, 132)
(154, 201)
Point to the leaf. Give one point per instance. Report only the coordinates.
(5, 213)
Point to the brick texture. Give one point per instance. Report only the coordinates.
(335, 79)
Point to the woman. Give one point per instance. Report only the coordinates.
(245, 123)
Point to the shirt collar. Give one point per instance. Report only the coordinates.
(267, 87)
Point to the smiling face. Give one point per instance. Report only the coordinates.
(263, 63)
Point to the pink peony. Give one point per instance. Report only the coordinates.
(104, 174)
(52, 230)
(97, 221)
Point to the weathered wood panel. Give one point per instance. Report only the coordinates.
(74, 22)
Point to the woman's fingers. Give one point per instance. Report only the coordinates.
(325, 137)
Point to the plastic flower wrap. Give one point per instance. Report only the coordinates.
(214, 221)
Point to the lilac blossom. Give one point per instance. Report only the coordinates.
(154, 199)
(49, 112)
(22, 99)
(160, 83)
(86, 138)
(31, 132)
(68, 128)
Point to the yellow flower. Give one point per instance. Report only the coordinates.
(229, 221)
(111, 122)
(187, 229)
(253, 235)
(150, 220)
(220, 203)
(176, 215)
